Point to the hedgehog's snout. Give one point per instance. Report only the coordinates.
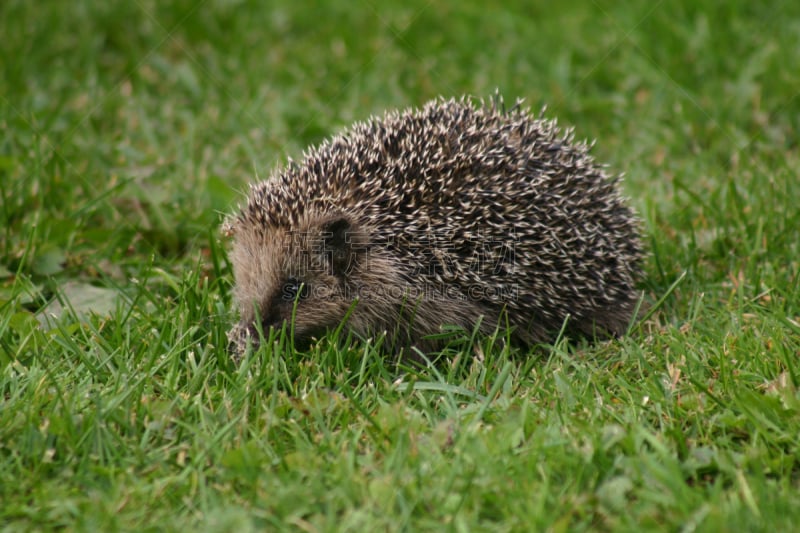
(244, 333)
(272, 319)
(238, 337)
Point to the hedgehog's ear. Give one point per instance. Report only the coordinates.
(336, 232)
(343, 243)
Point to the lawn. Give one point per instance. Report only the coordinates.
(129, 129)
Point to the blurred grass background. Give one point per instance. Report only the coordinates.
(128, 128)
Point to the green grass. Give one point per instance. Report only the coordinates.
(128, 128)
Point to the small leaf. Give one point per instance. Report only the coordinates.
(49, 262)
(83, 298)
(614, 492)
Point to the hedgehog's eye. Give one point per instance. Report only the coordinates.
(294, 289)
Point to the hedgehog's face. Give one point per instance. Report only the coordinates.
(296, 275)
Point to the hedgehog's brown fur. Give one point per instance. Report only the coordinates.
(454, 214)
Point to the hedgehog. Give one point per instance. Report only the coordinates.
(461, 213)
